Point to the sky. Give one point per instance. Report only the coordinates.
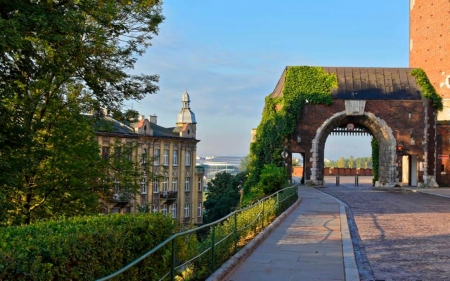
(229, 55)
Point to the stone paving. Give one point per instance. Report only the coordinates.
(307, 245)
(405, 234)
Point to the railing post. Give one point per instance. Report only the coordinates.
(356, 180)
(337, 180)
(235, 233)
(172, 266)
(278, 202)
(213, 235)
(262, 215)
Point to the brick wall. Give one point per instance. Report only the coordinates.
(430, 41)
(406, 119)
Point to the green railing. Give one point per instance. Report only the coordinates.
(197, 253)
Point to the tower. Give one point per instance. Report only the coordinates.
(186, 118)
(429, 46)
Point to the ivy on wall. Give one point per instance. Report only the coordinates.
(427, 89)
(375, 159)
(303, 84)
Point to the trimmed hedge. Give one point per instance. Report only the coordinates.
(86, 248)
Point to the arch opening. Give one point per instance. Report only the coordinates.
(387, 168)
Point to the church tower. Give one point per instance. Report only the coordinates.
(429, 45)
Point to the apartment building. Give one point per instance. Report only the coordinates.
(169, 153)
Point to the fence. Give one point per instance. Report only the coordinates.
(197, 253)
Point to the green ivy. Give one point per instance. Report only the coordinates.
(375, 159)
(427, 89)
(303, 84)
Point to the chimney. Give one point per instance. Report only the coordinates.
(153, 119)
(141, 117)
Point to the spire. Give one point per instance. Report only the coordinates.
(186, 115)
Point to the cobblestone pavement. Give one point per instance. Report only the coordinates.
(405, 235)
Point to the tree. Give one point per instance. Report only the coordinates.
(223, 195)
(351, 162)
(244, 163)
(359, 162)
(273, 178)
(296, 162)
(129, 116)
(57, 60)
(341, 162)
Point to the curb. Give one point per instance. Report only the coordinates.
(242, 254)
(350, 267)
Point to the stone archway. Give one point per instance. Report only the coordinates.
(388, 175)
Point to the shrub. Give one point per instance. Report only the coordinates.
(86, 248)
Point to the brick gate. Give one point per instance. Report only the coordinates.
(386, 103)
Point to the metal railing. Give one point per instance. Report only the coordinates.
(198, 252)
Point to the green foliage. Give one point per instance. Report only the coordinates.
(245, 162)
(87, 248)
(375, 158)
(303, 83)
(58, 60)
(351, 162)
(129, 116)
(341, 162)
(359, 162)
(223, 195)
(427, 88)
(272, 179)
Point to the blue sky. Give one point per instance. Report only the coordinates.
(230, 55)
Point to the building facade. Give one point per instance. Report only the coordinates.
(169, 153)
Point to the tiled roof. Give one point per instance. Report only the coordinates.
(368, 83)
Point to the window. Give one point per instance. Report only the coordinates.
(186, 184)
(105, 152)
(156, 157)
(166, 157)
(144, 156)
(187, 208)
(188, 158)
(175, 158)
(174, 211)
(174, 184)
(199, 210)
(116, 187)
(155, 187)
(165, 184)
(155, 208)
(200, 184)
(117, 153)
(129, 152)
(164, 209)
(144, 186)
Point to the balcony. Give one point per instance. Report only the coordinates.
(123, 197)
(169, 195)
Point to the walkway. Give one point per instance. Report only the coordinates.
(312, 243)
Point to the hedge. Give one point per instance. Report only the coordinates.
(86, 248)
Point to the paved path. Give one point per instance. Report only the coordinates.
(405, 235)
(312, 243)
